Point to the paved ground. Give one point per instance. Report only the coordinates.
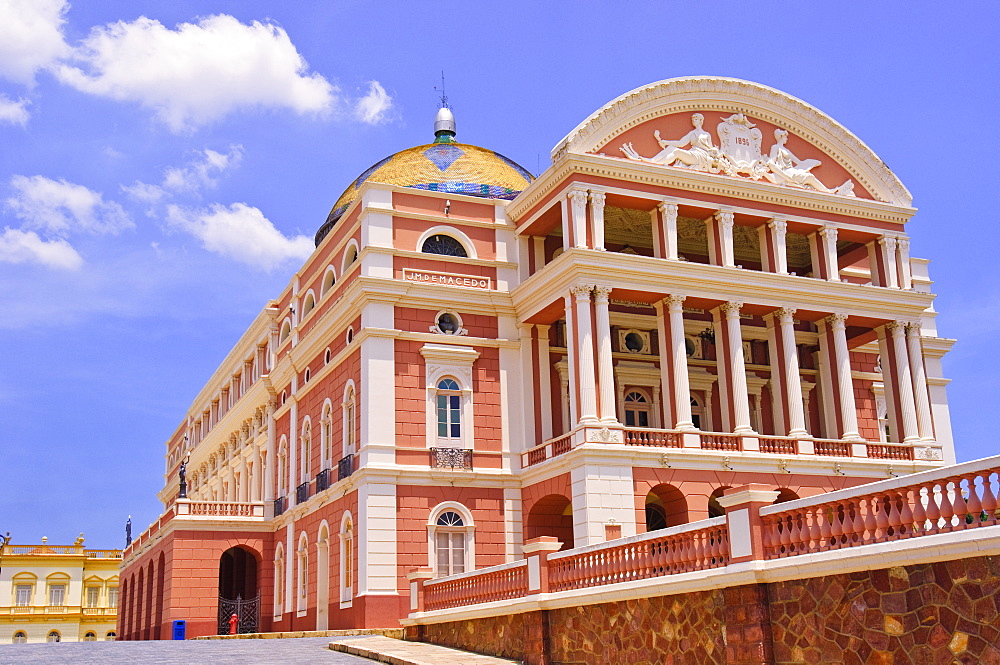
(300, 651)
(398, 652)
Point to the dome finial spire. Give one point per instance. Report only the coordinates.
(444, 121)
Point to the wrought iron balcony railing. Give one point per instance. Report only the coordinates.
(322, 480)
(451, 458)
(302, 493)
(279, 505)
(345, 467)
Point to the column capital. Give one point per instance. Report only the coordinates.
(896, 327)
(578, 196)
(903, 244)
(778, 225)
(889, 242)
(829, 232)
(913, 328)
(725, 217)
(597, 198)
(837, 320)
(785, 314)
(732, 308)
(582, 291)
(667, 207)
(675, 302)
(601, 293)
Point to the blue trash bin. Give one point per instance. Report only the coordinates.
(180, 628)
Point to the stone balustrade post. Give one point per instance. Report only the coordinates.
(417, 577)
(746, 528)
(537, 551)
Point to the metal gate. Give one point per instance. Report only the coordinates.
(247, 611)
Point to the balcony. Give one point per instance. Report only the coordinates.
(280, 504)
(345, 467)
(691, 441)
(451, 458)
(188, 509)
(322, 480)
(302, 493)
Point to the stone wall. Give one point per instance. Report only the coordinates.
(946, 612)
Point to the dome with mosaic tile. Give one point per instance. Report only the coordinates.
(442, 166)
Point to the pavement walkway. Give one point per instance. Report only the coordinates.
(398, 652)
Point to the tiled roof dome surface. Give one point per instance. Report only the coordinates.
(443, 166)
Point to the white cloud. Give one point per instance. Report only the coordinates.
(16, 113)
(242, 233)
(198, 72)
(60, 208)
(17, 246)
(199, 173)
(30, 37)
(372, 108)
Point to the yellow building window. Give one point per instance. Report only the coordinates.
(93, 596)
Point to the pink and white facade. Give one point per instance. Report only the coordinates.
(664, 313)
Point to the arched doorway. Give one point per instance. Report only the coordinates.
(665, 507)
(239, 592)
(715, 508)
(323, 579)
(551, 515)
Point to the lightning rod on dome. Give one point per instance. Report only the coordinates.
(444, 121)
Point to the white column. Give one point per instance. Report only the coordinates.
(888, 245)
(845, 381)
(567, 223)
(668, 215)
(544, 370)
(724, 221)
(528, 396)
(828, 234)
(270, 453)
(905, 273)
(578, 208)
(597, 218)
(793, 380)
(737, 369)
(605, 363)
(681, 388)
(904, 382)
(779, 228)
(925, 424)
(586, 380)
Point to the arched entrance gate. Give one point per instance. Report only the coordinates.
(239, 592)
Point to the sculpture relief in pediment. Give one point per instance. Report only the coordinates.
(739, 153)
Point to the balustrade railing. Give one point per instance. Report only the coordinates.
(699, 546)
(777, 445)
(831, 448)
(503, 582)
(551, 448)
(652, 437)
(890, 451)
(948, 500)
(718, 441)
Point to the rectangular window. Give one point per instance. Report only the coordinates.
(22, 595)
(442, 404)
(93, 596)
(456, 405)
(57, 594)
(113, 596)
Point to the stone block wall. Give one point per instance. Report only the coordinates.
(945, 613)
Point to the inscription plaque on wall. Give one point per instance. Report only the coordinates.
(445, 278)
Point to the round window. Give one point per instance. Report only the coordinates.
(634, 342)
(447, 324)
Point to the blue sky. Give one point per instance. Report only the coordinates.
(163, 166)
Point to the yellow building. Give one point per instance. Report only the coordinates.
(58, 593)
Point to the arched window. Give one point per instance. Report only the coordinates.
(53, 636)
(329, 279)
(302, 588)
(90, 636)
(111, 636)
(451, 534)
(305, 450)
(444, 245)
(346, 560)
(279, 580)
(326, 434)
(350, 420)
(350, 256)
(449, 410)
(286, 330)
(283, 467)
(636, 409)
(308, 305)
(697, 412)
(20, 637)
